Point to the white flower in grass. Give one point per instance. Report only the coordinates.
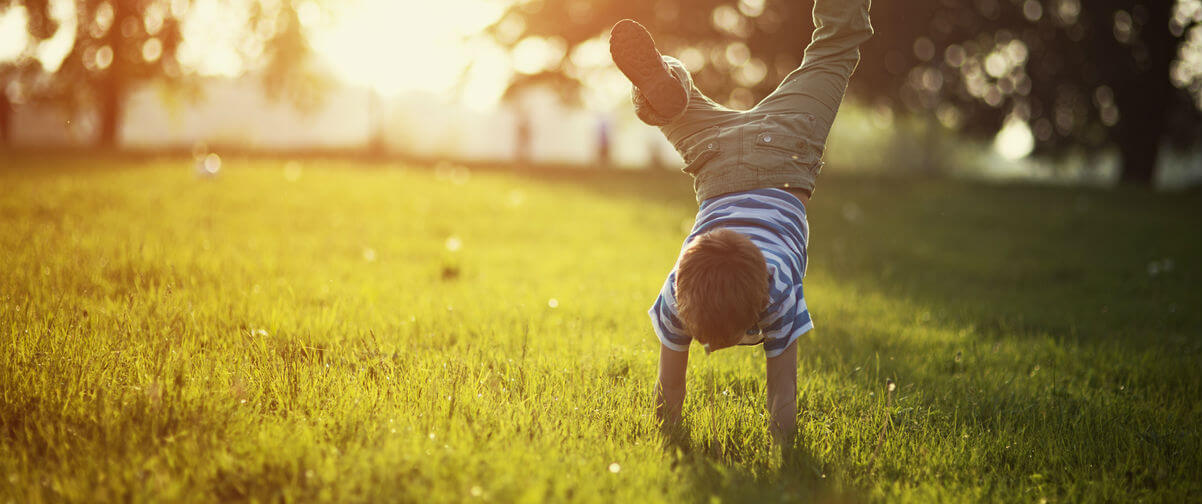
(614, 468)
(208, 166)
(516, 198)
(852, 212)
(454, 243)
(292, 171)
(553, 303)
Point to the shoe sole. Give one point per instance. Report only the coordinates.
(633, 50)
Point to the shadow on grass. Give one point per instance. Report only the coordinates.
(792, 475)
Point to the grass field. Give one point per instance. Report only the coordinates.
(368, 332)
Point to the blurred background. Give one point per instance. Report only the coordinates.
(1099, 92)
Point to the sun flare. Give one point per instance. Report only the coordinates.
(405, 46)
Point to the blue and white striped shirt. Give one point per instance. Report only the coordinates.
(775, 221)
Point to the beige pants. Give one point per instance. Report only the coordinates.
(780, 141)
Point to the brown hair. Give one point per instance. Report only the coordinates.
(721, 287)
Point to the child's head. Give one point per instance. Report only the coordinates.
(721, 287)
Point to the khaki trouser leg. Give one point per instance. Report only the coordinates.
(779, 142)
(816, 88)
(700, 113)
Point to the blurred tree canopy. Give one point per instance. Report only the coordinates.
(118, 44)
(40, 27)
(1081, 75)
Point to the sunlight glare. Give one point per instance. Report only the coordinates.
(13, 38)
(1014, 141)
(211, 51)
(404, 46)
(53, 51)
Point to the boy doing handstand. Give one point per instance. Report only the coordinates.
(738, 279)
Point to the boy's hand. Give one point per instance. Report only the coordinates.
(782, 395)
(669, 387)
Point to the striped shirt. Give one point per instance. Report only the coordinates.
(775, 221)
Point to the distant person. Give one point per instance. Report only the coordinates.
(655, 158)
(523, 139)
(603, 142)
(738, 279)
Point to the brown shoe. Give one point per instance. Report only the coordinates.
(633, 50)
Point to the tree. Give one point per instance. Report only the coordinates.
(119, 44)
(15, 74)
(1080, 75)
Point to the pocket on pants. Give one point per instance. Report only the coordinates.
(705, 148)
(783, 153)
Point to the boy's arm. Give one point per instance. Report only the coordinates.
(669, 387)
(782, 395)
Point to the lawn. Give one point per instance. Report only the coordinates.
(363, 332)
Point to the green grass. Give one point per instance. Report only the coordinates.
(166, 338)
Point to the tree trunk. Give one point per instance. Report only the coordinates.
(1138, 154)
(109, 107)
(6, 113)
(110, 83)
(1144, 99)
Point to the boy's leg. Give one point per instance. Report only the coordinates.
(664, 94)
(816, 88)
(700, 113)
(633, 50)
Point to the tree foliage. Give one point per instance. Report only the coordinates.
(40, 27)
(118, 44)
(1080, 74)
